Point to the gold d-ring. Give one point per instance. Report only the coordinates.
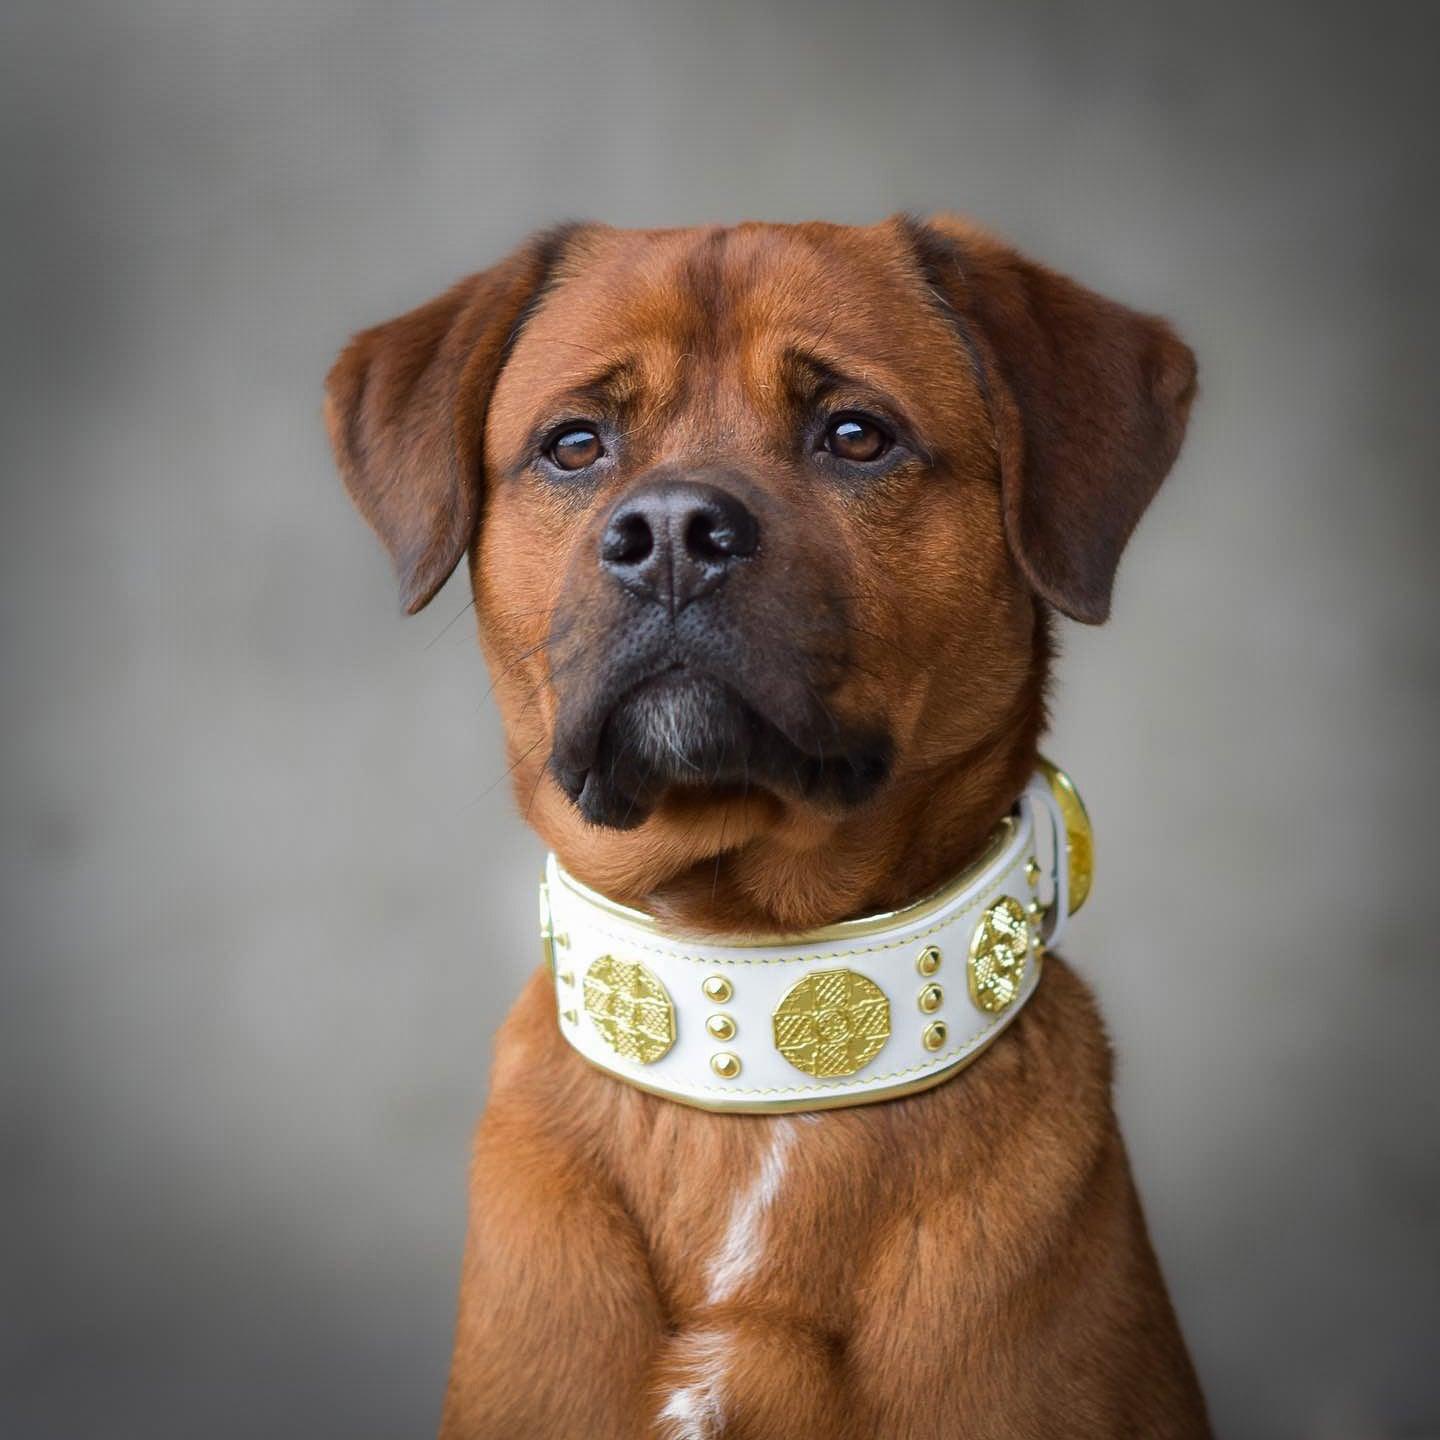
(1079, 836)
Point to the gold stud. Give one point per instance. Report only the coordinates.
(1032, 872)
(566, 977)
(725, 1065)
(1034, 909)
(718, 989)
(570, 1015)
(547, 928)
(929, 961)
(722, 1027)
(562, 940)
(930, 999)
(935, 1035)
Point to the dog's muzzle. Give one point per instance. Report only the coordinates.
(862, 1011)
(691, 658)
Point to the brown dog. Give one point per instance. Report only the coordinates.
(765, 528)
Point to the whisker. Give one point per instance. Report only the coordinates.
(445, 630)
(534, 791)
(513, 663)
(509, 771)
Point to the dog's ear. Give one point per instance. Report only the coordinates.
(1088, 398)
(405, 406)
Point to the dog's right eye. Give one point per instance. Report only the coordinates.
(856, 438)
(575, 449)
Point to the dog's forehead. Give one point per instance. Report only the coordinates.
(737, 298)
(688, 283)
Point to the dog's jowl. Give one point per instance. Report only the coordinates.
(803, 1129)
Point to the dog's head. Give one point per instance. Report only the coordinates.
(763, 523)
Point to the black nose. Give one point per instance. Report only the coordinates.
(673, 541)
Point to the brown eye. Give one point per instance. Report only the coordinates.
(575, 449)
(851, 437)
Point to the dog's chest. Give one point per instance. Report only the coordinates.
(797, 1215)
(788, 1249)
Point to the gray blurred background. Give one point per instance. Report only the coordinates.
(265, 892)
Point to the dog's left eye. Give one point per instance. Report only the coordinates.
(575, 449)
(856, 438)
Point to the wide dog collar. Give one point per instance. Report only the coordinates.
(865, 1010)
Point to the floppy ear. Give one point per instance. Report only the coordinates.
(405, 406)
(1088, 398)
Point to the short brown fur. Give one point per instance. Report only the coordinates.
(971, 1261)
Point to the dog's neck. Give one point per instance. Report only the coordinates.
(801, 875)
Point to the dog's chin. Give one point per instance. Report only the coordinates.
(687, 731)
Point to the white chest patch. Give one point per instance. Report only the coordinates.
(696, 1411)
(742, 1249)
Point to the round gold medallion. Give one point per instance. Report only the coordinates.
(631, 1008)
(997, 955)
(832, 1023)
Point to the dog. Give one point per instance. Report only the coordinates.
(767, 527)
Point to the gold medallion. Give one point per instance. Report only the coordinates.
(630, 1008)
(997, 955)
(832, 1023)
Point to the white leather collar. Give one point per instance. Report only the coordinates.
(857, 1012)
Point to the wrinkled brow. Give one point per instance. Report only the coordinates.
(613, 390)
(809, 378)
(615, 387)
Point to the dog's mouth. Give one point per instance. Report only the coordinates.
(684, 728)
